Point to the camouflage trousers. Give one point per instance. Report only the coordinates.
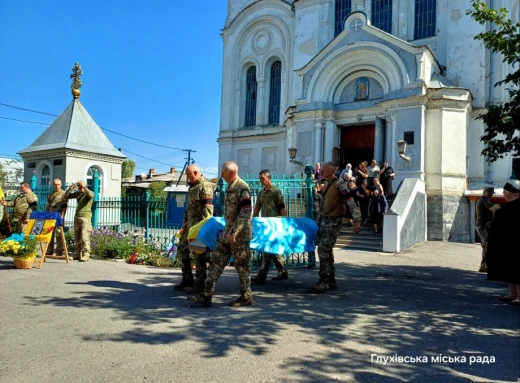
(218, 260)
(56, 242)
(82, 230)
(184, 253)
(483, 233)
(326, 240)
(353, 210)
(265, 264)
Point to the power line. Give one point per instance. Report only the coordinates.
(28, 110)
(108, 130)
(146, 142)
(27, 122)
(149, 159)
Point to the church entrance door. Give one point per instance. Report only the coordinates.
(357, 144)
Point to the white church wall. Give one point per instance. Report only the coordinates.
(476, 162)
(466, 57)
(410, 120)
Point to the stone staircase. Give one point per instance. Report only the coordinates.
(367, 240)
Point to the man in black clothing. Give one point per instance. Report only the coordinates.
(485, 210)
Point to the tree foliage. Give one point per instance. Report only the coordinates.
(501, 135)
(156, 189)
(9, 172)
(127, 168)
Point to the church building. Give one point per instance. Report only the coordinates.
(356, 80)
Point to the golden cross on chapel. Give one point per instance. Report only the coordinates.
(76, 82)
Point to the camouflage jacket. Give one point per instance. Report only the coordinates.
(85, 199)
(238, 211)
(56, 201)
(24, 205)
(200, 202)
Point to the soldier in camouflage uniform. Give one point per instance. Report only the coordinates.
(270, 203)
(56, 202)
(200, 206)
(334, 193)
(82, 219)
(23, 205)
(233, 241)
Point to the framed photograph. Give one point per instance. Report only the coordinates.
(37, 227)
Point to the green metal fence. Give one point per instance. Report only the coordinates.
(145, 216)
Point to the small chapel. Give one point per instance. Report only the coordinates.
(73, 148)
(401, 81)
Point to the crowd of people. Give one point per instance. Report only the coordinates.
(370, 186)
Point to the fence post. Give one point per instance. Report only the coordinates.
(147, 218)
(309, 208)
(222, 195)
(95, 205)
(33, 182)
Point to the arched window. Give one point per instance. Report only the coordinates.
(90, 178)
(274, 93)
(343, 9)
(46, 176)
(382, 15)
(251, 97)
(425, 16)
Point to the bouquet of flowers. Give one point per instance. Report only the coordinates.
(19, 247)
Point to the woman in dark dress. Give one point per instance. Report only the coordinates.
(378, 206)
(386, 178)
(503, 255)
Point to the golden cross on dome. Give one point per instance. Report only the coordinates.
(76, 82)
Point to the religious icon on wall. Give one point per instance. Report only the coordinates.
(361, 89)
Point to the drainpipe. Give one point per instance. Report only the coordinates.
(489, 165)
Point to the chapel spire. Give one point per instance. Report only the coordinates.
(76, 82)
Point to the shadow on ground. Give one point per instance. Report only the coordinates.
(379, 309)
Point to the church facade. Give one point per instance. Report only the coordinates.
(345, 80)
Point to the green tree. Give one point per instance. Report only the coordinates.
(127, 168)
(9, 172)
(502, 120)
(156, 189)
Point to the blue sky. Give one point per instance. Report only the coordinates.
(151, 70)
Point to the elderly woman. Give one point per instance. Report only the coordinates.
(503, 256)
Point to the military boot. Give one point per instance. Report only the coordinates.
(197, 288)
(185, 282)
(200, 300)
(281, 277)
(319, 287)
(258, 280)
(332, 282)
(242, 301)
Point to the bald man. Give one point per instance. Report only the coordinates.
(82, 219)
(199, 207)
(233, 241)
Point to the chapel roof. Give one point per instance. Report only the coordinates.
(74, 129)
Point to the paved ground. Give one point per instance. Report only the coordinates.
(113, 322)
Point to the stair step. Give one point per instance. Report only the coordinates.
(359, 241)
(361, 248)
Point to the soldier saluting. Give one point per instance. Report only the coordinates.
(23, 205)
(200, 206)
